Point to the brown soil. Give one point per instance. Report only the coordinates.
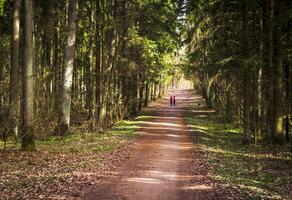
(163, 163)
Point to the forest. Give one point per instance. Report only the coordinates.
(76, 77)
(75, 62)
(244, 65)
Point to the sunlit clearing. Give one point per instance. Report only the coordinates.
(183, 84)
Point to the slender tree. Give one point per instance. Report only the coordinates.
(27, 132)
(98, 59)
(278, 72)
(267, 106)
(68, 68)
(14, 71)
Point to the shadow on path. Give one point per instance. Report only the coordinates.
(161, 164)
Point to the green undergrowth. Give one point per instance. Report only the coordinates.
(60, 161)
(91, 141)
(84, 141)
(261, 172)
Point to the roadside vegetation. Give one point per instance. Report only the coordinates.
(260, 172)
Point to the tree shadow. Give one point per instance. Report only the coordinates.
(259, 171)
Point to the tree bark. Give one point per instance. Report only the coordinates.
(98, 60)
(287, 67)
(278, 70)
(146, 95)
(89, 72)
(56, 64)
(14, 72)
(68, 68)
(27, 135)
(267, 70)
(246, 77)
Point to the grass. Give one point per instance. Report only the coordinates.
(261, 172)
(85, 141)
(60, 163)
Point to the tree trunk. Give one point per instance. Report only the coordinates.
(98, 60)
(141, 95)
(68, 68)
(267, 70)
(278, 70)
(287, 78)
(89, 73)
(246, 77)
(154, 91)
(146, 95)
(27, 135)
(56, 64)
(14, 72)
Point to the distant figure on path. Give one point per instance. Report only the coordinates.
(173, 100)
(170, 100)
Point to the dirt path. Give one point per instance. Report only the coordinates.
(160, 164)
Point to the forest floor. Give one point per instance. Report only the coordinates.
(182, 152)
(63, 167)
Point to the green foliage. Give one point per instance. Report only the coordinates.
(156, 36)
(2, 2)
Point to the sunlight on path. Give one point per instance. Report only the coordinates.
(159, 166)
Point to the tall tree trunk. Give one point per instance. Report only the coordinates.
(154, 91)
(246, 79)
(14, 72)
(267, 70)
(98, 60)
(27, 135)
(89, 72)
(278, 70)
(112, 53)
(68, 68)
(141, 94)
(56, 64)
(151, 91)
(287, 67)
(146, 99)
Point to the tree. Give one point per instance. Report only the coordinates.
(107, 63)
(267, 108)
(98, 60)
(68, 68)
(278, 72)
(27, 132)
(14, 71)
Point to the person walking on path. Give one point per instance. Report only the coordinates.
(170, 101)
(173, 100)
